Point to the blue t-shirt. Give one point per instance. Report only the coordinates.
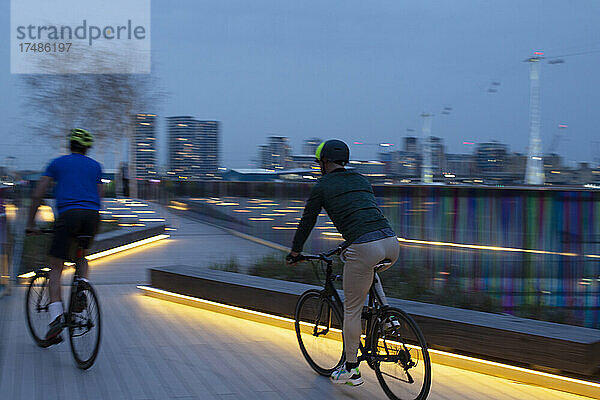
(77, 178)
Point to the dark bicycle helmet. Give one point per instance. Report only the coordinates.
(81, 136)
(333, 150)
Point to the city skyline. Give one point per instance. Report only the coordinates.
(367, 73)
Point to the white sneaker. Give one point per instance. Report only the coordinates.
(342, 375)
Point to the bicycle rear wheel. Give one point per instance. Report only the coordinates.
(85, 327)
(401, 358)
(319, 331)
(37, 301)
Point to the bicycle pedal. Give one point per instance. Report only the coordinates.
(56, 340)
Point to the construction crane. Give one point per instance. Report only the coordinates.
(426, 170)
(534, 174)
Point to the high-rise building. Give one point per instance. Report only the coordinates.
(194, 148)
(406, 164)
(438, 151)
(183, 157)
(310, 145)
(277, 154)
(490, 159)
(459, 165)
(264, 156)
(208, 148)
(281, 151)
(516, 165)
(144, 146)
(411, 144)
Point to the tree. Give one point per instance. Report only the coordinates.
(62, 98)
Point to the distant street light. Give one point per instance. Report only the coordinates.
(373, 144)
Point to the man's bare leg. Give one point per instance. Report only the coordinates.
(56, 267)
(56, 306)
(82, 265)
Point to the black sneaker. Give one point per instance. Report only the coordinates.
(54, 329)
(80, 302)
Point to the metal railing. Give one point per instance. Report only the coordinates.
(523, 251)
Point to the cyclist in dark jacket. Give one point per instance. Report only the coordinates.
(348, 199)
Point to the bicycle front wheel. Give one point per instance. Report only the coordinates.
(400, 358)
(84, 326)
(37, 301)
(319, 331)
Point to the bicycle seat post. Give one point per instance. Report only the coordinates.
(82, 244)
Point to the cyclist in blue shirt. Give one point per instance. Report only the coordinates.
(78, 190)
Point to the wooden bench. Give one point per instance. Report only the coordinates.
(517, 341)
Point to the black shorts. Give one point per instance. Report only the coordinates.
(69, 225)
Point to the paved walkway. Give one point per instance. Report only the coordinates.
(154, 349)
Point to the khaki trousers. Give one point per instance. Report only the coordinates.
(359, 262)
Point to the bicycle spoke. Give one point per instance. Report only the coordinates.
(84, 330)
(37, 300)
(318, 331)
(402, 363)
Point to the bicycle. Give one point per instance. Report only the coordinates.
(392, 344)
(83, 324)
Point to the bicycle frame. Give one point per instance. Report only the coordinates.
(384, 339)
(370, 313)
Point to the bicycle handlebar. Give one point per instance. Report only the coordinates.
(41, 230)
(324, 256)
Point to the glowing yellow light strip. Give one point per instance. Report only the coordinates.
(519, 369)
(587, 384)
(227, 306)
(126, 247)
(105, 253)
(179, 208)
(495, 248)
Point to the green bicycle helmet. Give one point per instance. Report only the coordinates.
(333, 150)
(82, 137)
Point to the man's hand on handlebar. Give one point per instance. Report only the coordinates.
(293, 258)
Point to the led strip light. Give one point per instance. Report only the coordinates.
(108, 252)
(552, 381)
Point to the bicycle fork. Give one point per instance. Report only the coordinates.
(316, 331)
